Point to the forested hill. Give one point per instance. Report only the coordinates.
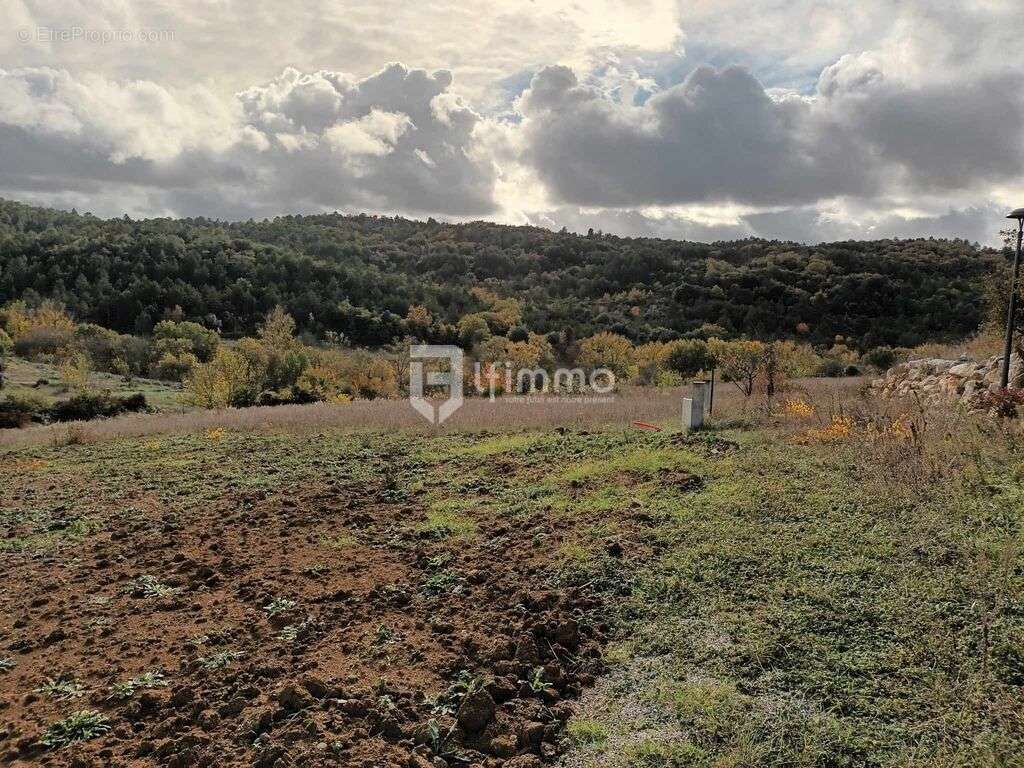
(360, 274)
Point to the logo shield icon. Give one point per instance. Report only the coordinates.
(452, 379)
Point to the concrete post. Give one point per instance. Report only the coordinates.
(702, 392)
(693, 413)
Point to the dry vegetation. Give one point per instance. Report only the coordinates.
(660, 406)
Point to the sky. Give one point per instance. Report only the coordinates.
(708, 119)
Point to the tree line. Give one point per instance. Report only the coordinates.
(368, 281)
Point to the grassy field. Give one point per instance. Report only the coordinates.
(828, 583)
(44, 380)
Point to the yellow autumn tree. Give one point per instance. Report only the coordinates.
(608, 350)
(652, 367)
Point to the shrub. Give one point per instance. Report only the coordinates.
(13, 419)
(882, 358)
(797, 361)
(472, 330)
(19, 409)
(93, 405)
(832, 369)
(227, 380)
(174, 367)
(74, 370)
(41, 342)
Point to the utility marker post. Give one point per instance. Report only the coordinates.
(693, 413)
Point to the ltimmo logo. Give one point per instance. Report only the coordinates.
(442, 367)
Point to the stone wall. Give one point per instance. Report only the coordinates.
(935, 381)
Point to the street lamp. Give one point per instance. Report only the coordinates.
(1011, 312)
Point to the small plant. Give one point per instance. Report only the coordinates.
(444, 523)
(344, 541)
(385, 635)
(279, 605)
(149, 587)
(220, 659)
(586, 732)
(80, 726)
(289, 634)
(127, 689)
(536, 681)
(444, 581)
(6, 663)
(61, 688)
(447, 702)
(798, 407)
(215, 435)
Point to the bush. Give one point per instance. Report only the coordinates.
(832, 369)
(882, 358)
(20, 409)
(24, 402)
(94, 405)
(851, 370)
(13, 420)
(43, 341)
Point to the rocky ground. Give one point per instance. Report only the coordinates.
(937, 381)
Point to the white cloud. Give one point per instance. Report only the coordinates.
(884, 115)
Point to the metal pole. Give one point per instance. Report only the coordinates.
(1011, 313)
(711, 405)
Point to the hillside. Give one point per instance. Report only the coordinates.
(358, 275)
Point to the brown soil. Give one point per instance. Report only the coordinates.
(384, 617)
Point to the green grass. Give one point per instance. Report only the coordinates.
(24, 376)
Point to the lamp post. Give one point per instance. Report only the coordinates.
(1011, 312)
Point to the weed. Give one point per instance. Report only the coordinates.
(587, 732)
(447, 702)
(665, 754)
(344, 541)
(384, 636)
(445, 581)
(127, 689)
(220, 660)
(443, 523)
(536, 681)
(81, 726)
(61, 688)
(6, 663)
(149, 587)
(279, 605)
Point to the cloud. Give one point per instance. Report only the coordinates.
(396, 140)
(645, 116)
(720, 136)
